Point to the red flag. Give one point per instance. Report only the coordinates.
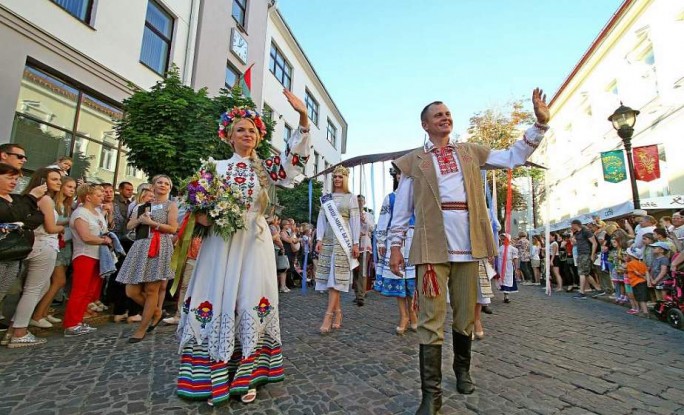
(646, 163)
(248, 77)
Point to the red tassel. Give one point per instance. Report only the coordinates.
(430, 284)
(415, 300)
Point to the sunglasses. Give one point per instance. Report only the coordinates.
(19, 156)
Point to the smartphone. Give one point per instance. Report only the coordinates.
(42, 181)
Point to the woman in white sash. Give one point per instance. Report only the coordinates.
(386, 282)
(338, 232)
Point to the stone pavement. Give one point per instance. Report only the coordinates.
(541, 355)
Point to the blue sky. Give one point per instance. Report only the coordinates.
(383, 60)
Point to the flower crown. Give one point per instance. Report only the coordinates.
(228, 117)
(341, 170)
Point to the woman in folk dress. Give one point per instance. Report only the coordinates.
(230, 328)
(335, 263)
(387, 283)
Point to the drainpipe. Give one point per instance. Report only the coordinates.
(190, 42)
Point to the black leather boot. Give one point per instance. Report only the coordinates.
(430, 379)
(464, 384)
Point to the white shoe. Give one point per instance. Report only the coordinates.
(53, 319)
(26, 341)
(42, 323)
(171, 321)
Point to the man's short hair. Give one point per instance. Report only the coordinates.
(576, 222)
(8, 147)
(122, 184)
(361, 196)
(423, 113)
(522, 234)
(106, 185)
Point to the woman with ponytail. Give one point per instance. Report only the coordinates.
(229, 327)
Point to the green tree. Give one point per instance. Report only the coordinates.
(171, 127)
(499, 130)
(295, 201)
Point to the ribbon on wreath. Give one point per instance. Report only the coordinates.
(180, 252)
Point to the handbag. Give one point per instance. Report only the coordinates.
(282, 262)
(15, 245)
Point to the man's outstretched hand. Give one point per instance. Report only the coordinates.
(541, 110)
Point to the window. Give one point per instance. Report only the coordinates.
(232, 76)
(156, 44)
(107, 158)
(287, 133)
(80, 9)
(311, 107)
(332, 133)
(56, 118)
(280, 67)
(316, 162)
(240, 11)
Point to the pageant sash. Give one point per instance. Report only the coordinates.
(340, 229)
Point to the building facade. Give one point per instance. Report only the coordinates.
(637, 60)
(288, 67)
(67, 67)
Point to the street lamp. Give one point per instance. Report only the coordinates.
(623, 120)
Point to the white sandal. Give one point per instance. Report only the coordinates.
(249, 397)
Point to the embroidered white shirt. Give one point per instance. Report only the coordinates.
(452, 189)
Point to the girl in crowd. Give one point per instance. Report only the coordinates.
(387, 283)
(147, 266)
(535, 258)
(64, 201)
(230, 326)
(41, 261)
(16, 208)
(338, 230)
(88, 226)
(554, 259)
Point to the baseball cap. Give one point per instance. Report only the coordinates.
(639, 212)
(634, 252)
(660, 244)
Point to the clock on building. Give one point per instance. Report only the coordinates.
(238, 45)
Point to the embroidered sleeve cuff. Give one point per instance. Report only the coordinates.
(543, 127)
(304, 130)
(535, 134)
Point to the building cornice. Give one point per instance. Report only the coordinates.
(284, 28)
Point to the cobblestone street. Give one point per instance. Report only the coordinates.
(540, 356)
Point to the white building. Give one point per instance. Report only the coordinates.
(637, 59)
(67, 65)
(288, 66)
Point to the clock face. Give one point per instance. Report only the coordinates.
(238, 45)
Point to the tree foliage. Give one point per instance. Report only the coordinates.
(171, 127)
(499, 130)
(295, 201)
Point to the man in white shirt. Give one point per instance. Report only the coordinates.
(365, 251)
(441, 184)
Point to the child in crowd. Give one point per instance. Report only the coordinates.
(617, 271)
(647, 251)
(660, 268)
(636, 274)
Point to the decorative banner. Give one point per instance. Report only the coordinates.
(646, 163)
(614, 170)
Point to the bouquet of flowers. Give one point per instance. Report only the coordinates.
(207, 193)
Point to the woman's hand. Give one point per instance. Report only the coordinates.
(355, 251)
(381, 251)
(298, 106)
(39, 191)
(319, 246)
(203, 219)
(106, 240)
(146, 219)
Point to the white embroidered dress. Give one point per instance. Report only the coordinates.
(231, 305)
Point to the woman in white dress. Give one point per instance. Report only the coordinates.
(386, 282)
(337, 230)
(229, 327)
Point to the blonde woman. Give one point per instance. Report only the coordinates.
(230, 327)
(64, 200)
(147, 266)
(338, 230)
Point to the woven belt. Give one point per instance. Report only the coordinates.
(454, 205)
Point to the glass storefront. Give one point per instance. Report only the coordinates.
(54, 118)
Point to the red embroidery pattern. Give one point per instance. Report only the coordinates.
(452, 252)
(529, 142)
(446, 160)
(244, 177)
(454, 205)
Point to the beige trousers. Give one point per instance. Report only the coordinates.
(461, 278)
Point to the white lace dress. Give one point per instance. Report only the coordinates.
(230, 328)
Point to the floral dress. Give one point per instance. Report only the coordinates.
(230, 328)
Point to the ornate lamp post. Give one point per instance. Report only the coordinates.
(623, 120)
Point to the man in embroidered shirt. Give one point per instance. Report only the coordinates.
(441, 184)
